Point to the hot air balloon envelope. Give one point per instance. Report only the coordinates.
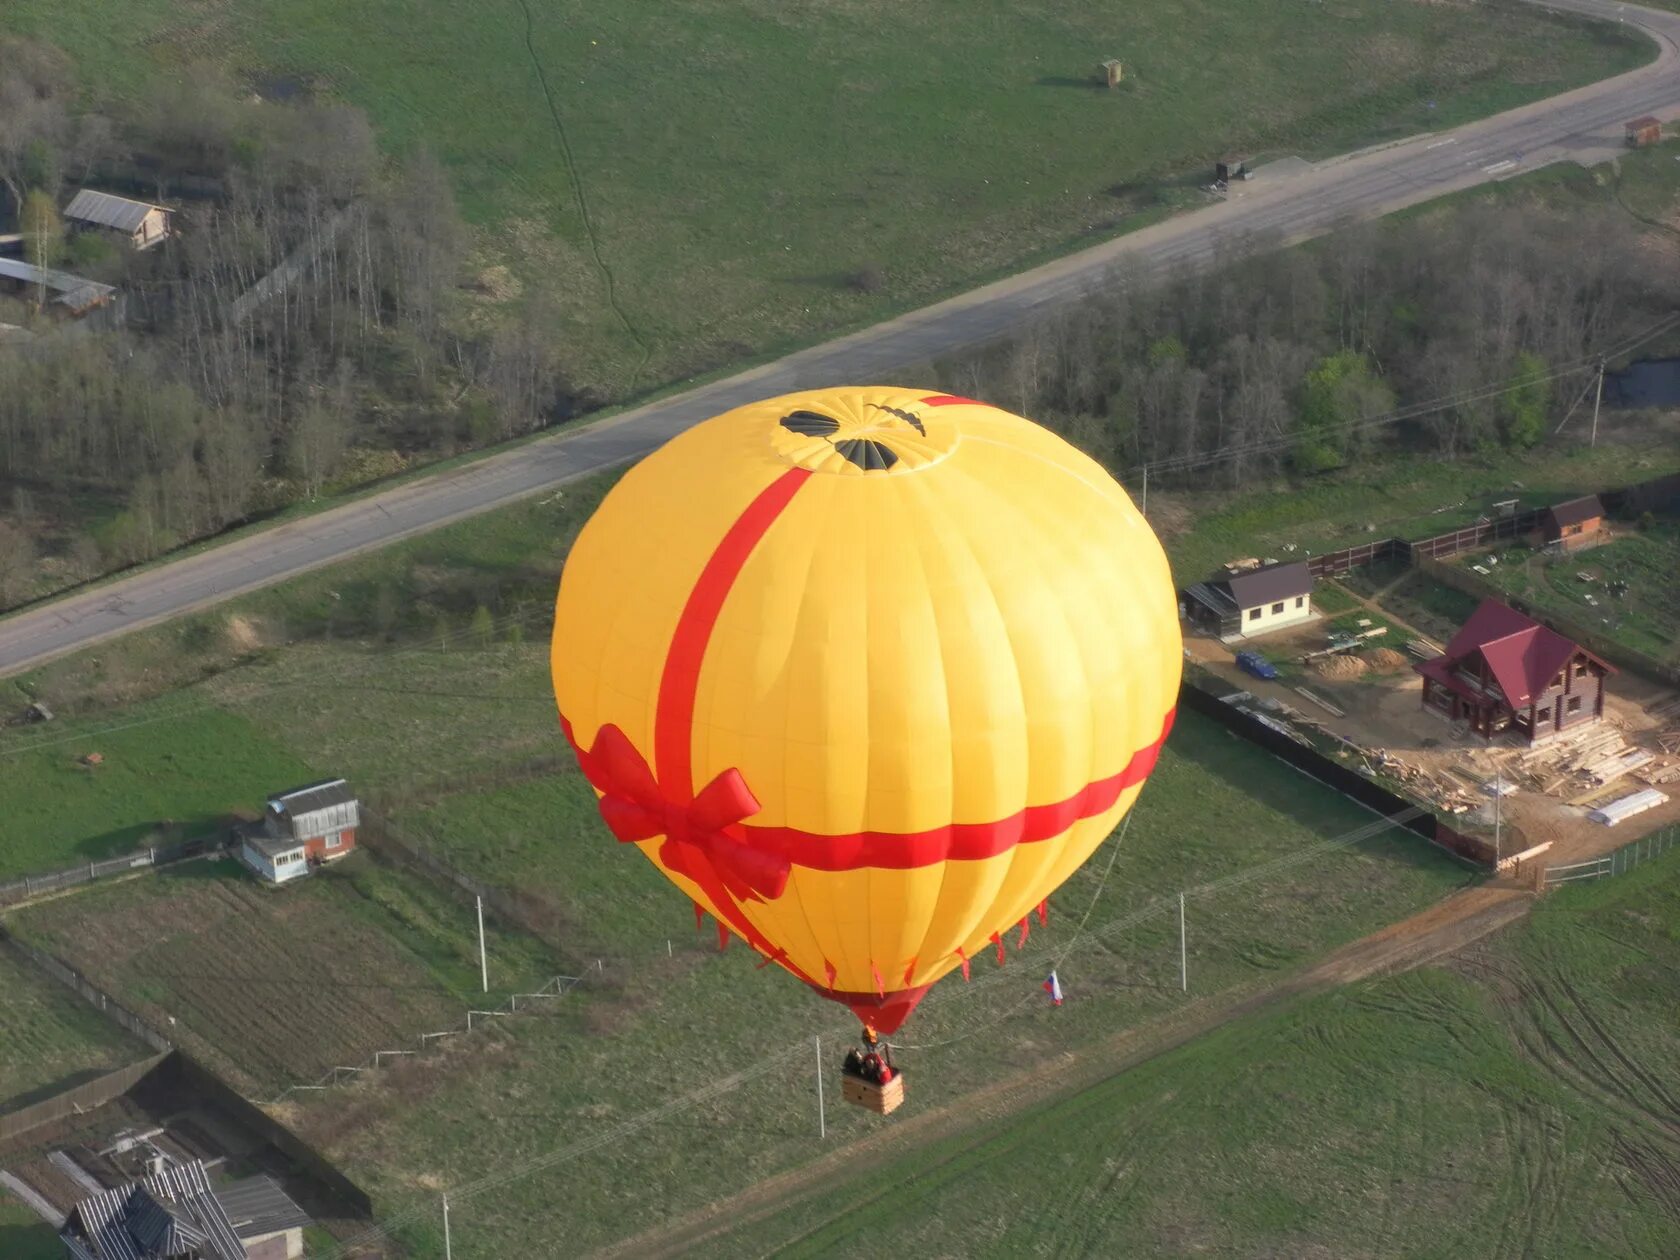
(866, 673)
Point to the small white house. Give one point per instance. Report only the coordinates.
(1241, 605)
(276, 860)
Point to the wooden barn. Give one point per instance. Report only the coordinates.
(1574, 525)
(1507, 672)
(300, 829)
(1242, 604)
(139, 223)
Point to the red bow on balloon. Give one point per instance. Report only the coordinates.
(697, 841)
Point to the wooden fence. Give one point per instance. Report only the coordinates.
(86, 872)
(84, 1097)
(1412, 815)
(89, 992)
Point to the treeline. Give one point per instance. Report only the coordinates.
(311, 315)
(1293, 360)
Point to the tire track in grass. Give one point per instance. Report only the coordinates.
(582, 198)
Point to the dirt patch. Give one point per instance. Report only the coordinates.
(1341, 668)
(244, 633)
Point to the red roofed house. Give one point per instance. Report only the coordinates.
(1504, 671)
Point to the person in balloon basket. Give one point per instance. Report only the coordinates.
(873, 1063)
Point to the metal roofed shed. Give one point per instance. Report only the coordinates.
(1574, 524)
(72, 295)
(140, 223)
(260, 1211)
(173, 1213)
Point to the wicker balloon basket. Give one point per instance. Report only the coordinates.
(880, 1099)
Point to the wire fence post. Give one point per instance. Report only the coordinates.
(1183, 950)
(483, 961)
(822, 1107)
(446, 1250)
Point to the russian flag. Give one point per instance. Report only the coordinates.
(1053, 987)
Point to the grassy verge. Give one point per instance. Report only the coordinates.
(23, 1235)
(1515, 1098)
(49, 1038)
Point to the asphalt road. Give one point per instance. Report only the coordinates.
(1293, 202)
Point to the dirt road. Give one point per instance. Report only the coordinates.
(1442, 929)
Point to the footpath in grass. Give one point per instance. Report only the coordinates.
(759, 172)
(1516, 1099)
(51, 1039)
(651, 1027)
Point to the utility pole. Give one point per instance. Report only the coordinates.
(483, 962)
(446, 1251)
(1498, 812)
(822, 1107)
(1597, 399)
(1183, 950)
(1145, 505)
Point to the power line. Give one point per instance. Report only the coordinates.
(713, 1089)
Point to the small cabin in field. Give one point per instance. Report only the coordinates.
(1574, 525)
(1507, 672)
(1241, 605)
(1643, 132)
(301, 829)
(140, 224)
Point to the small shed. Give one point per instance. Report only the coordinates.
(1643, 132)
(1574, 525)
(139, 223)
(277, 859)
(1111, 72)
(1231, 168)
(71, 295)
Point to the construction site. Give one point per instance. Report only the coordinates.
(1353, 690)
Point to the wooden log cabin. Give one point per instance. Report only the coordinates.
(1505, 672)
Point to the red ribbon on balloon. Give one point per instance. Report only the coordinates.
(697, 839)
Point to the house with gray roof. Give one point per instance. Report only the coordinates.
(139, 223)
(1243, 603)
(175, 1214)
(301, 828)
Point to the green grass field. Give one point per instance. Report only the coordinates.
(741, 162)
(1402, 496)
(1516, 1101)
(272, 987)
(1646, 618)
(23, 1235)
(651, 1027)
(50, 1039)
(144, 791)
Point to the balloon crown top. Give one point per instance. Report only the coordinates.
(866, 431)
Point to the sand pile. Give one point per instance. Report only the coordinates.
(1340, 668)
(1385, 660)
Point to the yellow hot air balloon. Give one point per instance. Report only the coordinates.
(867, 673)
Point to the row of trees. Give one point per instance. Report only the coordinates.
(1275, 360)
(311, 302)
